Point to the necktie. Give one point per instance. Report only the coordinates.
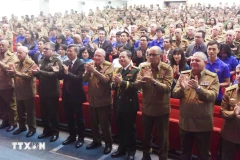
(70, 66)
(100, 45)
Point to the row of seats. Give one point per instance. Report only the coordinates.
(174, 138)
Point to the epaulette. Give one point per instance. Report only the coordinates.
(232, 87)
(135, 67)
(211, 73)
(186, 72)
(236, 42)
(107, 63)
(164, 65)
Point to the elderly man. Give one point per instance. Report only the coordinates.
(197, 90)
(25, 89)
(49, 91)
(126, 105)
(230, 109)
(7, 96)
(7, 35)
(99, 75)
(155, 78)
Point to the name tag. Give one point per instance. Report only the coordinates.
(129, 75)
(205, 83)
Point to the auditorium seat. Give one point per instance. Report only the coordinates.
(139, 128)
(86, 114)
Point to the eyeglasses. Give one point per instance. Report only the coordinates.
(46, 49)
(153, 54)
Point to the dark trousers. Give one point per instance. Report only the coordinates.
(75, 119)
(229, 149)
(49, 114)
(27, 112)
(8, 106)
(101, 116)
(126, 122)
(202, 140)
(161, 123)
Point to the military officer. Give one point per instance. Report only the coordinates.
(7, 96)
(230, 112)
(99, 75)
(197, 90)
(49, 91)
(126, 105)
(178, 41)
(25, 89)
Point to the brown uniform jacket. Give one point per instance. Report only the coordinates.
(6, 82)
(99, 91)
(156, 97)
(196, 107)
(231, 127)
(180, 44)
(25, 82)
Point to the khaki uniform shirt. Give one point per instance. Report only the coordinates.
(25, 82)
(180, 44)
(196, 107)
(6, 82)
(210, 38)
(231, 127)
(8, 35)
(42, 33)
(99, 92)
(156, 97)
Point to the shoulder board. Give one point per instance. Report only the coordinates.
(236, 42)
(135, 67)
(184, 40)
(232, 87)
(164, 65)
(211, 73)
(107, 63)
(186, 72)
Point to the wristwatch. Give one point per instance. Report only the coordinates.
(198, 88)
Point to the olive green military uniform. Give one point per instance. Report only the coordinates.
(230, 132)
(179, 44)
(25, 88)
(156, 107)
(100, 101)
(196, 113)
(126, 106)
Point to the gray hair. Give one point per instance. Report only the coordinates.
(23, 48)
(51, 44)
(129, 53)
(201, 55)
(100, 50)
(157, 49)
(238, 66)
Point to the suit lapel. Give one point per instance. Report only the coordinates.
(75, 65)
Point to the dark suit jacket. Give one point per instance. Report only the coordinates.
(35, 57)
(107, 47)
(129, 47)
(72, 84)
(190, 48)
(169, 56)
(125, 95)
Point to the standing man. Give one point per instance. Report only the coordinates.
(215, 65)
(73, 96)
(126, 105)
(155, 79)
(7, 96)
(25, 89)
(230, 109)
(197, 90)
(49, 91)
(99, 75)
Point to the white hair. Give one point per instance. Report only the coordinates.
(23, 48)
(100, 50)
(201, 55)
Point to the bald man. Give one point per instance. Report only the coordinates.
(7, 96)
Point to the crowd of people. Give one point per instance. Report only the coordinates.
(191, 53)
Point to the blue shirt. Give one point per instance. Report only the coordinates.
(85, 41)
(33, 50)
(20, 38)
(231, 62)
(222, 71)
(115, 44)
(87, 60)
(53, 39)
(159, 44)
(137, 44)
(69, 41)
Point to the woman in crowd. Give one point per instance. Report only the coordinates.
(229, 26)
(179, 63)
(62, 52)
(61, 39)
(30, 43)
(225, 54)
(85, 57)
